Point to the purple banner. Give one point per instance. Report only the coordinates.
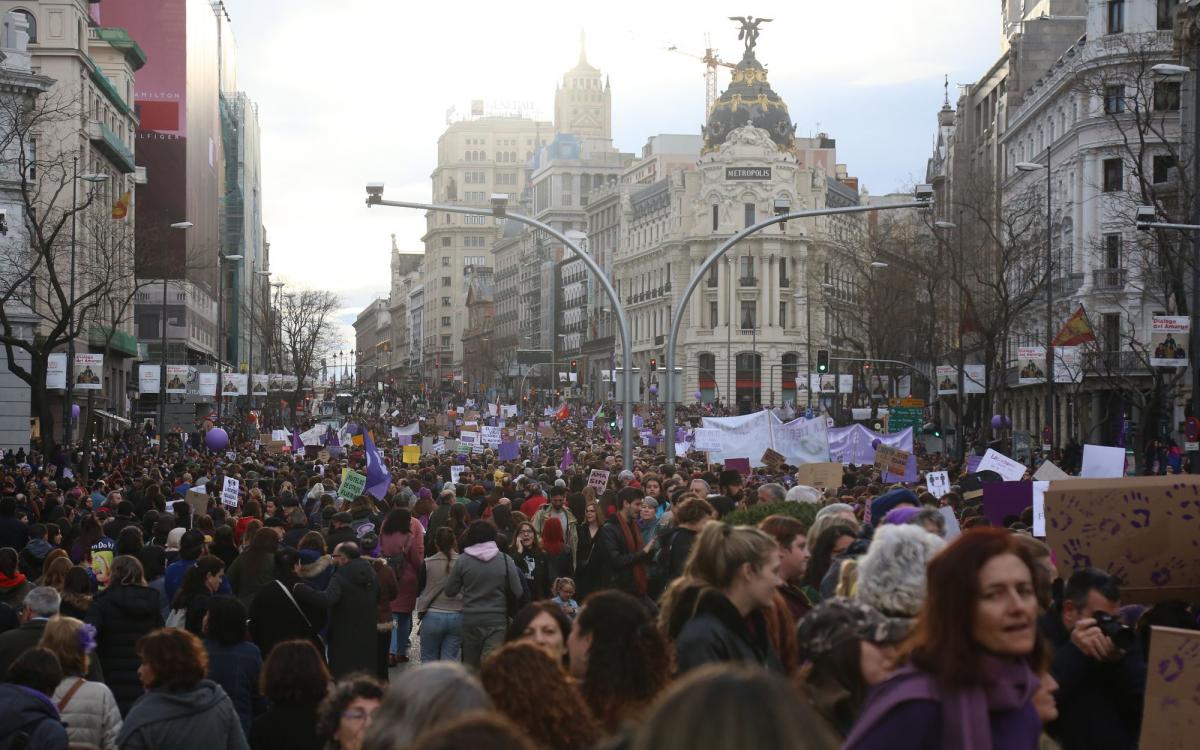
(1004, 499)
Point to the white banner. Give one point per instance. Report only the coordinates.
(1068, 364)
(207, 383)
(56, 370)
(177, 377)
(947, 380)
(1031, 365)
(89, 372)
(974, 379)
(274, 382)
(801, 441)
(709, 439)
(259, 384)
(234, 384)
(1008, 469)
(149, 379)
(1168, 340)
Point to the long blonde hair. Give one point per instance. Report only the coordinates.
(717, 555)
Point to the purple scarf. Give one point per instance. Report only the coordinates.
(966, 724)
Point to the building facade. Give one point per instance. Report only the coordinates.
(372, 342)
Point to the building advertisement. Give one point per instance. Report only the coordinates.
(177, 379)
(89, 372)
(1031, 365)
(1168, 340)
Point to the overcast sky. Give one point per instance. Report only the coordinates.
(357, 91)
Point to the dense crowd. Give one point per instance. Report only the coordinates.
(680, 605)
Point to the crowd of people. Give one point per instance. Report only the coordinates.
(680, 605)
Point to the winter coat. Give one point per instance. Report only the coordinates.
(287, 726)
(17, 641)
(122, 614)
(433, 595)
(411, 548)
(249, 573)
(29, 720)
(480, 574)
(318, 572)
(33, 557)
(707, 628)
(197, 718)
(91, 716)
(13, 532)
(14, 589)
(389, 589)
(615, 561)
(235, 668)
(273, 618)
(351, 599)
(570, 530)
(535, 569)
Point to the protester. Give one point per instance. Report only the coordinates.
(122, 614)
(39, 606)
(293, 680)
(424, 697)
(486, 579)
(87, 707)
(440, 614)
(789, 534)
(233, 662)
(388, 589)
(532, 688)
(532, 561)
(28, 717)
(345, 714)
(180, 709)
(254, 568)
(587, 531)
(352, 603)
(402, 545)
(891, 575)
(478, 730)
(14, 585)
(543, 624)
(200, 585)
(621, 554)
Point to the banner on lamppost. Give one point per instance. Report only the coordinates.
(1068, 364)
(233, 384)
(947, 380)
(207, 382)
(177, 376)
(56, 370)
(1031, 365)
(149, 379)
(974, 379)
(275, 382)
(1168, 339)
(89, 372)
(259, 384)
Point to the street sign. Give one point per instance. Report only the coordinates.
(900, 417)
(912, 403)
(1191, 429)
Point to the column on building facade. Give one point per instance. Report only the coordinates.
(762, 316)
(722, 292)
(772, 291)
(697, 301)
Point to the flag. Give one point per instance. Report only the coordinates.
(567, 459)
(1076, 331)
(297, 443)
(599, 413)
(563, 412)
(378, 476)
(120, 209)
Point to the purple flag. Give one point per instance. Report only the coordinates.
(333, 443)
(510, 450)
(297, 444)
(378, 476)
(567, 459)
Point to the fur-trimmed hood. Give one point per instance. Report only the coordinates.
(891, 575)
(316, 567)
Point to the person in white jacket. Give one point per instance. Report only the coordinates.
(88, 708)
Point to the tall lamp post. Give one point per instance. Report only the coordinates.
(182, 226)
(960, 428)
(1027, 166)
(253, 322)
(221, 342)
(75, 178)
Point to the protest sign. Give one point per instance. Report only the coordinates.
(456, 472)
(1170, 717)
(824, 476)
(353, 485)
(891, 460)
(491, 435)
(1102, 462)
(510, 450)
(1039, 508)
(412, 454)
(1003, 500)
(1008, 469)
(938, 483)
(426, 444)
(1048, 472)
(708, 439)
(952, 527)
(773, 458)
(197, 500)
(229, 491)
(740, 465)
(598, 480)
(1141, 529)
(467, 437)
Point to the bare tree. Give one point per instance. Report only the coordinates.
(307, 328)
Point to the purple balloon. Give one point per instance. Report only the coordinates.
(216, 439)
(998, 421)
(876, 443)
(74, 411)
(653, 388)
(698, 395)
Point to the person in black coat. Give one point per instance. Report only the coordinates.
(532, 562)
(294, 680)
(276, 617)
(352, 599)
(122, 614)
(619, 559)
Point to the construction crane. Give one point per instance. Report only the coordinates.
(711, 61)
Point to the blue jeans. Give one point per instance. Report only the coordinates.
(441, 636)
(402, 633)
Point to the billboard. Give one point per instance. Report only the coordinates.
(1031, 365)
(89, 372)
(177, 379)
(1168, 340)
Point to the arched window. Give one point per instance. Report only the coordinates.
(29, 19)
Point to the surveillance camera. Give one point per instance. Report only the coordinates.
(499, 205)
(1146, 215)
(782, 206)
(374, 188)
(923, 192)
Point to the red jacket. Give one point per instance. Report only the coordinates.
(530, 506)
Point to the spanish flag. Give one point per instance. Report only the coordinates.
(120, 209)
(1076, 331)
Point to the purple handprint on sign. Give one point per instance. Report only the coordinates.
(1163, 575)
(1079, 557)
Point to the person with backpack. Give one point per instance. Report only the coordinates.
(675, 542)
(402, 546)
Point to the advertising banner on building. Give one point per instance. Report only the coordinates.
(974, 379)
(177, 378)
(947, 380)
(1068, 364)
(208, 384)
(1031, 365)
(234, 384)
(89, 372)
(259, 384)
(1168, 340)
(149, 379)
(275, 382)
(56, 370)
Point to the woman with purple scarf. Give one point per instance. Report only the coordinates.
(970, 680)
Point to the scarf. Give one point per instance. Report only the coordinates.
(631, 543)
(13, 581)
(966, 721)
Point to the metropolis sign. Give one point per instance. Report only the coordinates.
(747, 173)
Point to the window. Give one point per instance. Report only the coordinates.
(445, 261)
(1116, 16)
(475, 260)
(445, 341)
(445, 281)
(447, 241)
(507, 178)
(445, 321)
(445, 302)
(1114, 175)
(32, 30)
(1166, 96)
(783, 318)
(1112, 251)
(715, 219)
(1166, 14)
(568, 189)
(749, 210)
(1114, 99)
(1163, 164)
(713, 313)
(474, 196)
(746, 267)
(472, 240)
(1110, 331)
(469, 219)
(749, 315)
(784, 281)
(712, 276)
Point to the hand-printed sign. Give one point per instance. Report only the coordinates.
(1170, 718)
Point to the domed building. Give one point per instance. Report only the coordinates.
(749, 100)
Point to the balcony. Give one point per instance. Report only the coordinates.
(1109, 279)
(712, 281)
(1065, 286)
(111, 146)
(748, 281)
(1106, 363)
(749, 331)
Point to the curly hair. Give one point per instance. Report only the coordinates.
(176, 658)
(528, 687)
(629, 661)
(294, 673)
(340, 696)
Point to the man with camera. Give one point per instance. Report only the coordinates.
(1098, 665)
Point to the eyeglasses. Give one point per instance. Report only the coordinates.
(357, 714)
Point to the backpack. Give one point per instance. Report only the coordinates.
(399, 563)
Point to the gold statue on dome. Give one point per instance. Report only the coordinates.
(749, 31)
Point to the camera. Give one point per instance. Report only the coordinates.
(1146, 215)
(923, 192)
(1119, 633)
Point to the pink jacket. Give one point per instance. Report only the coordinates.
(392, 545)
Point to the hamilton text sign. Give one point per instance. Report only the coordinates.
(747, 173)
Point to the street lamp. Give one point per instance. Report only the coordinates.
(253, 322)
(162, 353)
(1027, 166)
(960, 429)
(75, 178)
(221, 343)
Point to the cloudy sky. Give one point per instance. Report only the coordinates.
(357, 91)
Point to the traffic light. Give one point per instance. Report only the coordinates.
(653, 365)
(822, 360)
(574, 366)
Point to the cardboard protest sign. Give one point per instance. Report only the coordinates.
(1002, 500)
(412, 454)
(938, 483)
(229, 491)
(823, 476)
(455, 473)
(1170, 718)
(467, 437)
(197, 500)
(708, 439)
(891, 460)
(1048, 472)
(1008, 469)
(1102, 462)
(598, 480)
(773, 458)
(491, 435)
(740, 465)
(1141, 529)
(276, 446)
(1039, 508)
(352, 486)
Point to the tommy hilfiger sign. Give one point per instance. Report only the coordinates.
(747, 173)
